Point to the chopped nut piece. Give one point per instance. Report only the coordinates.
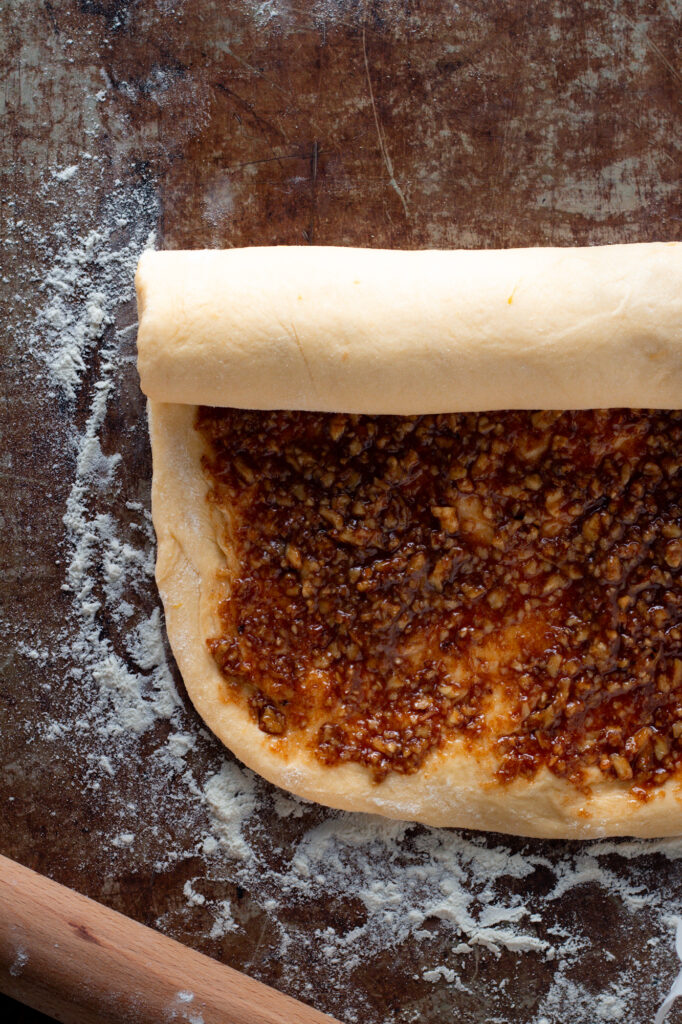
(555, 582)
(673, 554)
(613, 570)
(621, 766)
(293, 556)
(337, 427)
(661, 747)
(447, 516)
(333, 517)
(554, 664)
(244, 471)
(271, 720)
(591, 528)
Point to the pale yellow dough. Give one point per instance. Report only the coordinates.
(196, 332)
(377, 331)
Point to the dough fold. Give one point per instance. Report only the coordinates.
(408, 332)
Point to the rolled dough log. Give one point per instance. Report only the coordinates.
(378, 331)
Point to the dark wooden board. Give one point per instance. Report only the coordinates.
(397, 124)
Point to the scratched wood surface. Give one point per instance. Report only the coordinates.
(398, 124)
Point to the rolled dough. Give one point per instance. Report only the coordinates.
(377, 331)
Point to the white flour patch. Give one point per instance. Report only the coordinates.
(20, 960)
(124, 839)
(603, 1006)
(676, 988)
(231, 797)
(66, 173)
(194, 898)
(288, 806)
(223, 922)
(446, 973)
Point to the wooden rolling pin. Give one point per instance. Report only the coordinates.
(69, 957)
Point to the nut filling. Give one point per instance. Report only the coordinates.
(505, 578)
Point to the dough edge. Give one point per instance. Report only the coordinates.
(453, 789)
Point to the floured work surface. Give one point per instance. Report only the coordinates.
(103, 764)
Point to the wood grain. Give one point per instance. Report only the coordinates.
(70, 957)
(252, 123)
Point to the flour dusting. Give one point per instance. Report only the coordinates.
(20, 960)
(445, 908)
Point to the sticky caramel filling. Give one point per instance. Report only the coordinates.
(396, 582)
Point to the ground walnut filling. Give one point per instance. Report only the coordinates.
(399, 581)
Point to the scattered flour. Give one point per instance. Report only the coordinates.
(676, 987)
(123, 839)
(194, 898)
(223, 920)
(18, 963)
(66, 173)
(446, 973)
(462, 902)
(231, 796)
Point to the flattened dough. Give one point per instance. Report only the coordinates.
(202, 340)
